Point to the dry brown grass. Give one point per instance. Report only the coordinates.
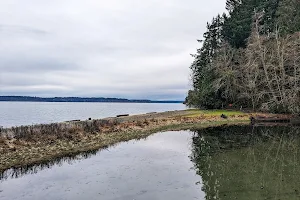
(32, 144)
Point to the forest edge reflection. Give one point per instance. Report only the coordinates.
(247, 162)
(234, 162)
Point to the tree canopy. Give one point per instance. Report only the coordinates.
(249, 57)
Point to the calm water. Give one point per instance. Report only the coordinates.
(28, 113)
(228, 162)
(156, 168)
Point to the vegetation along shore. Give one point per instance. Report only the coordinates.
(26, 145)
(249, 57)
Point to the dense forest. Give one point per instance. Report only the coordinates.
(250, 58)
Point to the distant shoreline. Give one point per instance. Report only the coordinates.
(79, 100)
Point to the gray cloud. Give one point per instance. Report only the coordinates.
(122, 48)
(17, 29)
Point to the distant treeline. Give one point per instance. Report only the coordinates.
(78, 99)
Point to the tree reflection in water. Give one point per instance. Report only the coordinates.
(32, 169)
(244, 162)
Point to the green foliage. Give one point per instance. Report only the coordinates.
(237, 26)
(245, 162)
(231, 5)
(270, 8)
(288, 16)
(213, 113)
(218, 70)
(202, 71)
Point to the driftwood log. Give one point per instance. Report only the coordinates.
(295, 120)
(269, 120)
(124, 115)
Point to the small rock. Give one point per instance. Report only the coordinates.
(224, 116)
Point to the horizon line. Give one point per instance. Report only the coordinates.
(81, 97)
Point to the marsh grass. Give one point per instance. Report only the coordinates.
(72, 130)
(69, 130)
(90, 147)
(35, 153)
(26, 145)
(2, 140)
(212, 113)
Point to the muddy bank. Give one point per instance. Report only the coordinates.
(20, 146)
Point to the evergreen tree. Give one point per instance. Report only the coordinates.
(237, 27)
(202, 73)
(288, 16)
(232, 5)
(243, 59)
(269, 21)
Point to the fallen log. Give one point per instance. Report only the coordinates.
(269, 119)
(295, 120)
(124, 115)
(75, 120)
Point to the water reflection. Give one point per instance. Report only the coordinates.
(35, 168)
(231, 162)
(244, 162)
(154, 168)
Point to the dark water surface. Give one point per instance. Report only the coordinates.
(156, 168)
(28, 113)
(228, 162)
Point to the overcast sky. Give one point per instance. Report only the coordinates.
(96, 48)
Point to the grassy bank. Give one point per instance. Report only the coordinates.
(41, 143)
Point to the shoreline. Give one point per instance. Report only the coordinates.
(29, 145)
